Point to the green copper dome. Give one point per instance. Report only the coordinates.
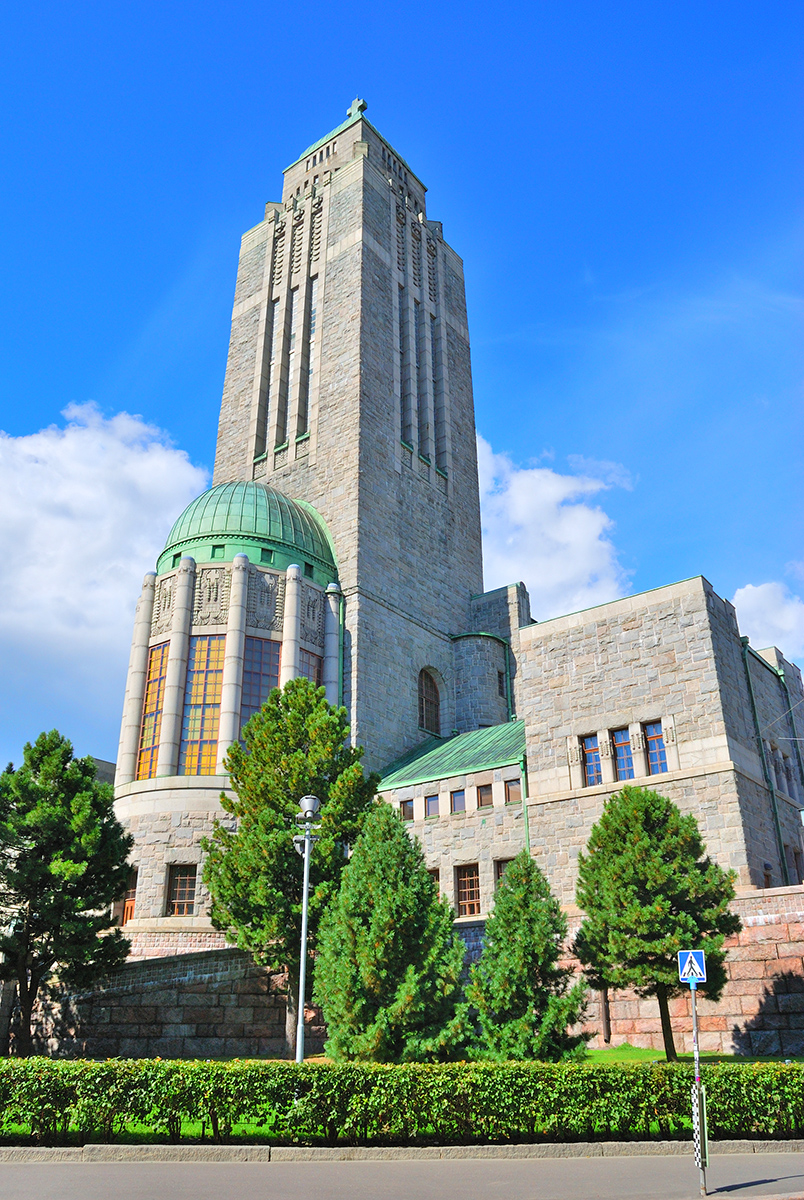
(254, 519)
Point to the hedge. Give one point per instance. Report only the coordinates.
(50, 1101)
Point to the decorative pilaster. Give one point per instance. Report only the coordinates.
(176, 677)
(232, 682)
(332, 616)
(291, 626)
(135, 684)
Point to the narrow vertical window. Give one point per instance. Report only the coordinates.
(591, 761)
(311, 666)
(419, 317)
(404, 371)
(306, 378)
(202, 706)
(260, 675)
(623, 760)
(468, 890)
(440, 430)
(130, 898)
(292, 355)
(429, 703)
(181, 891)
(271, 342)
(500, 867)
(152, 711)
(657, 757)
(435, 875)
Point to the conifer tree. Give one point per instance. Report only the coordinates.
(63, 861)
(648, 890)
(388, 976)
(294, 746)
(523, 998)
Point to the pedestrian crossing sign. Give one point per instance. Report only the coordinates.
(692, 967)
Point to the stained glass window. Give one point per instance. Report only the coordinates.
(623, 760)
(260, 674)
(202, 706)
(657, 758)
(591, 761)
(152, 711)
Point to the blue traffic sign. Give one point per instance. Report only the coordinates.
(692, 967)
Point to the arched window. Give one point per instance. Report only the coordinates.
(429, 703)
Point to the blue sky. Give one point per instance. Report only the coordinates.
(623, 182)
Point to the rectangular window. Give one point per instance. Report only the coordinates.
(130, 898)
(468, 890)
(152, 711)
(419, 317)
(439, 415)
(501, 684)
(623, 760)
(500, 867)
(592, 774)
(406, 810)
(181, 891)
(260, 675)
(654, 738)
(311, 666)
(435, 875)
(306, 378)
(202, 706)
(513, 791)
(457, 801)
(431, 806)
(484, 796)
(404, 371)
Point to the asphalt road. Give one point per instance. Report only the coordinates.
(648, 1178)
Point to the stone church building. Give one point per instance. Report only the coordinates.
(341, 541)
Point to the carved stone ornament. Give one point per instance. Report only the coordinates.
(312, 617)
(163, 606)
(670, 734)
(574, 753)
(266, 599)
(211, 597)
(401, 215)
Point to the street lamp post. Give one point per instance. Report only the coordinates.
(303, 842)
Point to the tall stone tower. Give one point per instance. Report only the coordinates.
(348, 386)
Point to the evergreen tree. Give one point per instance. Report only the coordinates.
(294, 746)
(523, 998)
(648, 891)
(388, 976)
(63, 861)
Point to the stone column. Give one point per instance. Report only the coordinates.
(332, 621)
(291, 626)
(135, 684)
(176, 677)
(232, 683)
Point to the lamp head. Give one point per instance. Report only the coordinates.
(309, 806)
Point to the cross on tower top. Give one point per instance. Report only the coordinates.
(357, 106)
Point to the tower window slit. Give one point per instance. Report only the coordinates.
(296, 243)
(278, 257)
(307, 366)
(287, 382)
(404, 370)
(432, 273)
(315, 233)
(401, 221)
(421, 380)
(439, 415)
(417, 257)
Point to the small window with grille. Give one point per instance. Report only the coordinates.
(590, 752)
(181, 891)
(468, 890)
(623, 760)
(654, 740)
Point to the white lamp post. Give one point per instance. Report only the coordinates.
(303, 842)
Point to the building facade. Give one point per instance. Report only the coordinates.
(341, 540)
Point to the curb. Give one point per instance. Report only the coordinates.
(120, 1153)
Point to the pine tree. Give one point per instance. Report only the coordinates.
(63, 861)
(389, 971)
(523, 998)
(294, 746)
(648, 891)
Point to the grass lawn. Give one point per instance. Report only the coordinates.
(628, 1053)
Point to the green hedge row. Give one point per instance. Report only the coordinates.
(353, 1104)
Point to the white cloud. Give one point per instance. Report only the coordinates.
(84, 511)
(538, 526)
(771, 615)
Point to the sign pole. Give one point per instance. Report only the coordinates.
(698, 1101)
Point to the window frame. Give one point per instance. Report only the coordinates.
(481, 787)
(660, 751)
(457, 792)
(429, 705)
(175, 870)
(404, 810)
(427, 799)
(591, 760)
(467, 889)
(622, 776)
(516, 784)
